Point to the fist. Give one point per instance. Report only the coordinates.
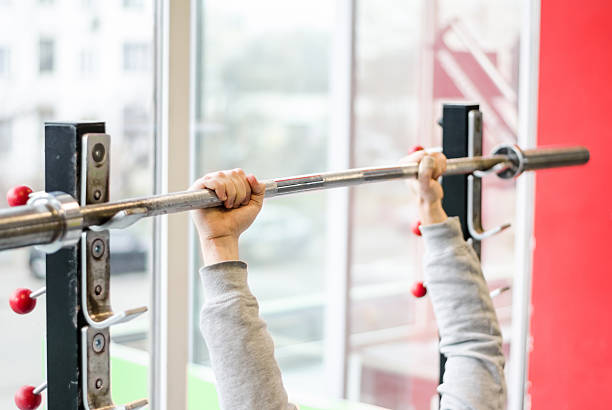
(242, 198)
(426, 186)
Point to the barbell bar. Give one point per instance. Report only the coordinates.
(56, 219)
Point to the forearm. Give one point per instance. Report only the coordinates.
(470, 336)
(431, 213)
(221, 249)
(240, 347)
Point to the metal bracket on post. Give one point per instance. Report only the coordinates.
(474, 182)
(95, 283)
(95, 355)
(95, 246)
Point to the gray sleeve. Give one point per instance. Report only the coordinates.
(241, 349)
(470, 336)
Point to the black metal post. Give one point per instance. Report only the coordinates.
(455, 139)
(64, 316)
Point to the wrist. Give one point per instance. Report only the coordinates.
(219, 249)
(432, 213)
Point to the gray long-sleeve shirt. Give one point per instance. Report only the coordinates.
(242, 351)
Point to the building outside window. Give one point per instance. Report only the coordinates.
(46, 55)
(136, 57)
(5, 61)
(133, 4)
(35, 36)
(87, 62)
(6, 140)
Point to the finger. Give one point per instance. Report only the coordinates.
(247, 188)
(231, 193)
(257, 188)
(240, 190)
(242, 187)
(440, 168)
(426, 169)
(216, 185)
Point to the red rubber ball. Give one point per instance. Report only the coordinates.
(416, 228)
(419, 290)
(415, 149)
(18, 195)
(21, 302)
(25, 398)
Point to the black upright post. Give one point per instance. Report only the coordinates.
(64, 317)
(455, 145)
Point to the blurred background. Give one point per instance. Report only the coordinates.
(263, 102)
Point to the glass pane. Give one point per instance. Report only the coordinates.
(63, 61)
(411, 57)
(262, 105)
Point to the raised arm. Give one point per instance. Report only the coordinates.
(470, 336)
(241, 349)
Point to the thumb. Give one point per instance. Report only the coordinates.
(257, 188)
(426, 170)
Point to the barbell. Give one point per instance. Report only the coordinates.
(57, 220)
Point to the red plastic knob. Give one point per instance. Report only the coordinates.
(416, 228)
(21, 302)
(18, 195)
(415, 149)
(25, 398)
(418, 290)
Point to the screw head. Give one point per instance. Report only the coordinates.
(98, 152)
(98, 290)
(97, 194)
(99, 384)
(98, 343)
(97, 248)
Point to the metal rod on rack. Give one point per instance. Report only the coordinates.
(35, 225)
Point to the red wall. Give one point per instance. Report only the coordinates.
(570, 366)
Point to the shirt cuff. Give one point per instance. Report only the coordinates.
(444, 235)
(224, 277)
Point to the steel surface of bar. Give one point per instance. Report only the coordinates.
(189, 200)
(26, 225)
(554, 157)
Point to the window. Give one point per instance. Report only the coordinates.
(136, 57)
(133, 4)
(35, 100)
(6, 137)
(46, 55)
(262, 104)
(87, 62)
(136, 130)
(5, 62)
(411, 57)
